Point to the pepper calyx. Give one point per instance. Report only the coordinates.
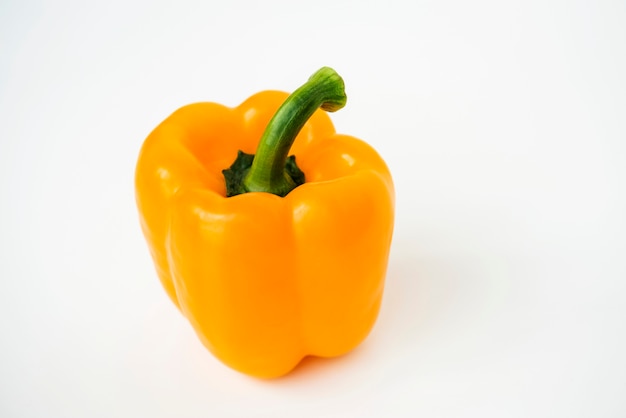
(238, 170)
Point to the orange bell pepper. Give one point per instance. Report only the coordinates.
(293, 262)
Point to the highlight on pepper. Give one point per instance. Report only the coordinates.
(269, 231)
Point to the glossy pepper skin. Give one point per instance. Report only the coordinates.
(266, 280)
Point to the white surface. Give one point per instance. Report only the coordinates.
(504, 124)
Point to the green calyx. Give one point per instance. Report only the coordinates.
(270, 170)
(236, 173)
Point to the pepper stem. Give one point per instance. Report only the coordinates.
(268, 172)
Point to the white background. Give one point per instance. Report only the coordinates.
(504, 125)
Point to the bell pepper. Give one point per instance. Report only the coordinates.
(275, 256)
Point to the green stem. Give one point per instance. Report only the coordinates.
(324, 89)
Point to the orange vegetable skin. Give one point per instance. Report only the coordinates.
(266, 280)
